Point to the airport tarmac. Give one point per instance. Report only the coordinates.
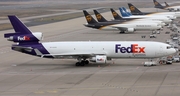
(25, 75)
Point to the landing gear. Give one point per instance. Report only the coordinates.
(82, 63)
(122, 32)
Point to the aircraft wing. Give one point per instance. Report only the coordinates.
(71, 55)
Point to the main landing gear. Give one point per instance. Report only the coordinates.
(82, 63)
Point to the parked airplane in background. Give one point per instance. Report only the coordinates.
(95, 51)
(100, 18)
(167, 7)
(126, 14)
(135, 11)
(122, 26)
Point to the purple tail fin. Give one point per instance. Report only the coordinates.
(22, 33)
(18, 26)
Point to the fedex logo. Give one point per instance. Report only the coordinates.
(134, 48)
(24, 38)
(100, 59)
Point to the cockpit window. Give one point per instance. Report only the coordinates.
(168, 47)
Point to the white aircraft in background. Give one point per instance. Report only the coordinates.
(175, 8)
(135, 11)
(123, 26)
(96, 51)
(167, 7)
(100, 18)
(126, 14)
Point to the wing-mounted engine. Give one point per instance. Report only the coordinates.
(99, 59)
(19, 37)
(130, 30)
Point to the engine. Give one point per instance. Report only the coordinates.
(99, 59)
(16, 37)
(130, 30)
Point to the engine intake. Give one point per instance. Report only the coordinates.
(130, 30)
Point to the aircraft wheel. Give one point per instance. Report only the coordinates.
(82, 63)
(86, 62)
(78, 64)
(121, 32)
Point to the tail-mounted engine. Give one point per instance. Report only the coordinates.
(19, 37)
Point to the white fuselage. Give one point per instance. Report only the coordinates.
(137, 26)
(112, 49)
(176, 8)
(154, 18)
(176, 14)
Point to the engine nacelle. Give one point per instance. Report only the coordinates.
(99, 59)
(130, 30)
(37, 36)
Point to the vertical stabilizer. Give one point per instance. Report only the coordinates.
(167, 5)
(126, 11)
(22, 34)
(18, 26)
(157, 4)
(115, 14)
(133, 9)
(99, 17)
(89, 18)
(123, 13)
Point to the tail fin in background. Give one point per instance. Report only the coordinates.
(126, 11)
(167, 5)
(99, 17)
(123, 13)
(115, 14)
(89, 18)
(22, 33)
(157, 4)
(133, 9)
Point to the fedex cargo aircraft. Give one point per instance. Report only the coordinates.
(85, 51)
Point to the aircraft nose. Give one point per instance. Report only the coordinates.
(163, 24)
(173, 51)
(160, 27)
(170, 20)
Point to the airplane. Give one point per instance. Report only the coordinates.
(167, 7)
(122, 26)
(126, 14)
(100, 18)
(85, 51)
(135, 11)
(170, 15)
